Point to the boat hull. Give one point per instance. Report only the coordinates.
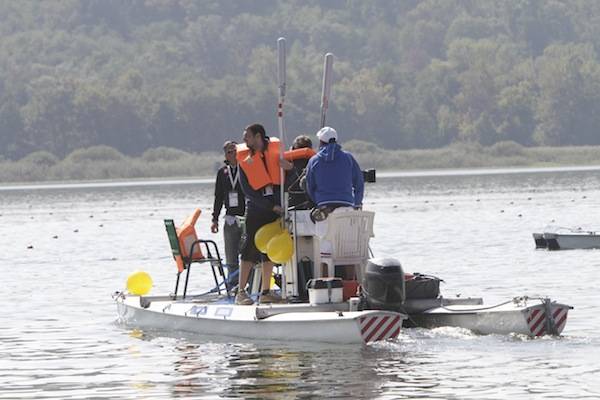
(540, 242)
(297, 324)
(560, 241)
(517, 317)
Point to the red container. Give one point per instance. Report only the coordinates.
(350, 288)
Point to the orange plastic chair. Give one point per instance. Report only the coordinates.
(187, 249)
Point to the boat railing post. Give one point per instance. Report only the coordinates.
(550, 323)
(176, 285)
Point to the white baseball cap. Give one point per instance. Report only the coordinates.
(327, 133)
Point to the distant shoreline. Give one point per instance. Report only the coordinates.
(382, 174)
(96, 166)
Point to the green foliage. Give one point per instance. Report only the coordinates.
(164, 154)
(506, 148)
(95, 154)
(41, 158)
(361, 147)
(167, 163)
(408, 74)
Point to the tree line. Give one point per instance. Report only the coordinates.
(141, 74)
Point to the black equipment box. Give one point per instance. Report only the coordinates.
(422, 287)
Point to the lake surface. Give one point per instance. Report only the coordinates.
(65, 249)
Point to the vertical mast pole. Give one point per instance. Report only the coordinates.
(326, 92)
(281, 81)
(281, 85)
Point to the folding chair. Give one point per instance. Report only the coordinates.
(187, 249)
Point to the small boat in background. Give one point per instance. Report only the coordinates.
(540, 242)
(561, 238)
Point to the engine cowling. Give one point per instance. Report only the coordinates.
(383, 284)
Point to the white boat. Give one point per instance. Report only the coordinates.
(326, 323)
(573, 240)
(561, 238)
(331, 321)
(389, 300)
(325, 318)
(521, 315)
(336, 314)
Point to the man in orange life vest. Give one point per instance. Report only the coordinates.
(260, 181)
(229, 193)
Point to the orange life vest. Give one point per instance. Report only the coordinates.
(186, 234)
(297, 154)
(262, 168)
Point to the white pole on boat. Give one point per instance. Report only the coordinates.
(281, 80)
(281, 84)
(326, 92)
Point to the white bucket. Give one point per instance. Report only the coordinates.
(353, 303)
(325, 290)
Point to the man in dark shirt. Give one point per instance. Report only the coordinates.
(294, 178)
(229, 193)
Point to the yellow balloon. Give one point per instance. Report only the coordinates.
(280, 248)
(139, 283)
(265, 233)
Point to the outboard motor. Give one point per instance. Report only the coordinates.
(382, 284)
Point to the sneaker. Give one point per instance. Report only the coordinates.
(270, 297)
(242, 298)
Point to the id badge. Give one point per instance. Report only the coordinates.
(269, 190)
(233, 199)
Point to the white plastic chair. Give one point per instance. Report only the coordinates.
(349, 233)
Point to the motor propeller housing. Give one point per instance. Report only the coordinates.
(383, 284)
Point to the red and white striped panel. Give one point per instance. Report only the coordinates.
(379, 327)
(536, 320)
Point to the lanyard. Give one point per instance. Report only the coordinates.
(232, 180)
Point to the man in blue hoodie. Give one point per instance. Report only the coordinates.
(333, 177)
(334, 182)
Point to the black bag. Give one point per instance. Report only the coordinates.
(422, 286)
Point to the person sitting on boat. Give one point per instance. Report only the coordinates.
(333, 177)
(228, 192)
(260, 181)
(334, 181)
(301, 151)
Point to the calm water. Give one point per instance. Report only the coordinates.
(59, 337)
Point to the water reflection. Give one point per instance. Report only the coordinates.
(205, 367)
(408, 368)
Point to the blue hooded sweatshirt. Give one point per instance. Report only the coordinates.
(334, 177)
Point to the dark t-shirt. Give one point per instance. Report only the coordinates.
(297, 193)
(222, 189)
